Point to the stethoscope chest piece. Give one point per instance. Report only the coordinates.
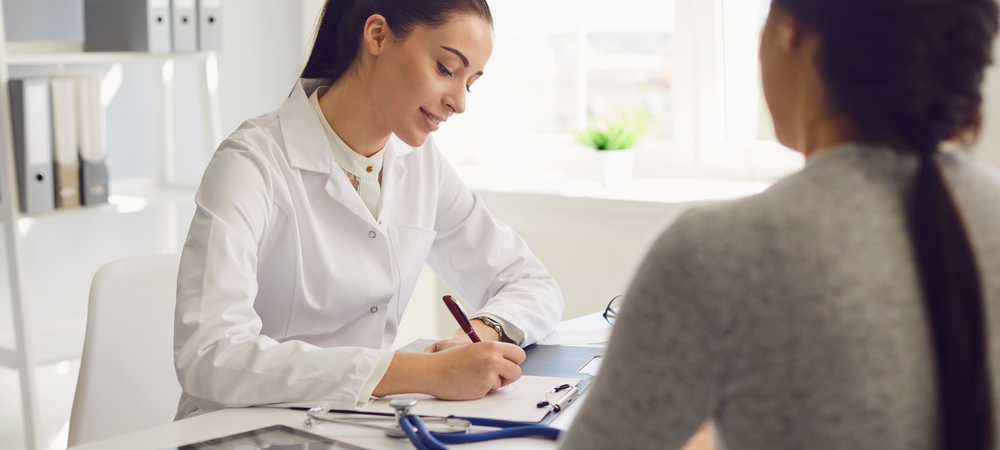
(388, 425)
(401, 406)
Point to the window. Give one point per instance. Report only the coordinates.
(690, 64)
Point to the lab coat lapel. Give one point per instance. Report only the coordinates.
(309, 149)
(305, 144)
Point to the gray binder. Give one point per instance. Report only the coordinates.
(127, 26)
(31, 114)
(94, 176)
(185, 25)
(209, 25)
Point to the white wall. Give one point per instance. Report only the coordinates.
(262, 54)
(261, 57)
(590, 246)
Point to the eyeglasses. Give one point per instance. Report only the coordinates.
(612, 310)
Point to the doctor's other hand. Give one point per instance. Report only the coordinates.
(466, 372)
(459, 338)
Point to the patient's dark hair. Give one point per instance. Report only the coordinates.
(908, 73)
(338, 40)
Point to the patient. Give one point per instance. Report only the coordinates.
(853, 305)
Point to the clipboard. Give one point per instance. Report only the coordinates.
(558, 361)
(561, 361)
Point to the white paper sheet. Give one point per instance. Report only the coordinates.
(517, 401)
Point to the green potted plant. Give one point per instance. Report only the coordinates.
(613, 139)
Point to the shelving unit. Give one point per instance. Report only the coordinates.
(21, 358)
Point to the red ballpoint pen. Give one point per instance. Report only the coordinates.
(461, 318)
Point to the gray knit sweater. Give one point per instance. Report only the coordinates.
(792, 319)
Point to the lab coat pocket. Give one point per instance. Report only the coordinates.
(410, 244)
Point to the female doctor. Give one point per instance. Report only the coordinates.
(313, 223)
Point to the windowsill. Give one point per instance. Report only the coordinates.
(557, 184)
(528, 166)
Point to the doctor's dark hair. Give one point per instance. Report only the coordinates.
(338, 40)
(908, 73)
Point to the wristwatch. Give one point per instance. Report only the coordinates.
(497, 327)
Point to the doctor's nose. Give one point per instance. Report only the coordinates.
(456, 102)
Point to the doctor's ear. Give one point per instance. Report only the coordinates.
(376, 33)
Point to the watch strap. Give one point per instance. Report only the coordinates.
(497, 327)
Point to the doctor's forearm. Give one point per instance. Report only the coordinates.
(407, 373)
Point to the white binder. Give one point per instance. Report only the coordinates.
(185, 25)
(31, 115)
(127, 25)
(209, 25)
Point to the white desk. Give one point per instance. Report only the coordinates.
(240, 420)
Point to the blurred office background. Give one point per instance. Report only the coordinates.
(557, 65)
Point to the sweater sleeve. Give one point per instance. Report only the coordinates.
(661, 376)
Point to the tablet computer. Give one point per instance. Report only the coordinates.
(274, 437)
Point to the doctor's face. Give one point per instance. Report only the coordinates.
(420, 81)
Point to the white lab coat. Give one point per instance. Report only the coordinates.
(290, 291)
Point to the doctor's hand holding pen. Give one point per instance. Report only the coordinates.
(459, 373)
(452, 369)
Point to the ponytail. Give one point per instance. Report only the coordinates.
(954, 303)
(338, 39)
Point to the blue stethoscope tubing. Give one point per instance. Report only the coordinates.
(425, 440)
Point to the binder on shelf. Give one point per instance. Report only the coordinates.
(127, 26)
(66, 142)
(209, 25)
(185, 25)
(31, 117)
(93, 162)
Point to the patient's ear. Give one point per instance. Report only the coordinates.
(787, 30)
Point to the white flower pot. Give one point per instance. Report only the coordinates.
(615, 166)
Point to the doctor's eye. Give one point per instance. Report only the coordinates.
(444, 70)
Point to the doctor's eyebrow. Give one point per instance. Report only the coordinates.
(460, 55)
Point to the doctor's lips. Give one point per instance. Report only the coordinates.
(434, 119)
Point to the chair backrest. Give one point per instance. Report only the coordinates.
(127, 379)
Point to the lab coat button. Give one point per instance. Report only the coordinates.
(371, 234)
(374, 309)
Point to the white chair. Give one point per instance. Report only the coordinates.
(127, 380)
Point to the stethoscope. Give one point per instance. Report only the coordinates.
(447, 430)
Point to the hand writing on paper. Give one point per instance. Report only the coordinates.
(459, 338)
(471, 371)
(466, 372)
